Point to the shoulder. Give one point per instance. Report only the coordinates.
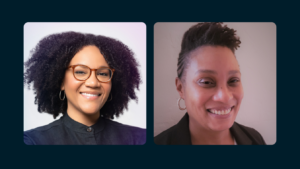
(249, 133)
(178, 134)
(165, 137)
(126, 133)
(41, 134)
(249, 130)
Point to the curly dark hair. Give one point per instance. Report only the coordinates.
(51, 57)
(205, 34)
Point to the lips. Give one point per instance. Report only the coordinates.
(220, 111)
(90, 95)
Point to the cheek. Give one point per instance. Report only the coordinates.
(106, 87)
(239, 94)
(71, 85)
(197, 96)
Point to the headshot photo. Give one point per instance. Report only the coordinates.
(215, 83)
(84, 83)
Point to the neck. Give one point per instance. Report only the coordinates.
(202, 136)
(86, 119)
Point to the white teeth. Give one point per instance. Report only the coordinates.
(220, 112)
(88, 94)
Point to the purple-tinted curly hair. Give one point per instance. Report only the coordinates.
(52, 55)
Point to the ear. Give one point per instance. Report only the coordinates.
(179, 87)
(62, 87)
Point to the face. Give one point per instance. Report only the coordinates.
(212, 88)
(88, 96)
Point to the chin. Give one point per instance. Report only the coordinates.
(90, 111)
(221, 126)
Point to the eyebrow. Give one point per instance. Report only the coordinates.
(88, 66)
(214, 72)
(206, 71)
(234, 72)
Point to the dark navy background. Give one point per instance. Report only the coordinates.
(15, 154)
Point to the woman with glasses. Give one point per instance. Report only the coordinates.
(90, 80)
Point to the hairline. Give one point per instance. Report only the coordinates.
(188, 57)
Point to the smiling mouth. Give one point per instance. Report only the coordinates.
(220, 112)
(90, 95)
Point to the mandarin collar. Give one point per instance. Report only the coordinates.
(81, 128)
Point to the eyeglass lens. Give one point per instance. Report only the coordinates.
(83, 72)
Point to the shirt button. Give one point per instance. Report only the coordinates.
(89, 129)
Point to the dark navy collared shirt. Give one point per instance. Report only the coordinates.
(66, 131)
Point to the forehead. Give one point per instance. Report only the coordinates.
(217, 58)
(89, 56)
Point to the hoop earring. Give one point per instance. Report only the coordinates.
(110, 97)
(178, 103)
(60, 95)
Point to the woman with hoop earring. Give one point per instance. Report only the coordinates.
(209, 84)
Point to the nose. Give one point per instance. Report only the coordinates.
(223, 94)
(92, 81)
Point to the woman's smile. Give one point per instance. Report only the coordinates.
(220, 113)
(91, 95)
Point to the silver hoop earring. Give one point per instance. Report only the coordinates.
(178, 103)
(60, 95)
(110, 97)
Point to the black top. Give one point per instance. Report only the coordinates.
(179, 134)
(66, 131)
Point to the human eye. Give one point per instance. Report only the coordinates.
(206, 82)
(233, 81)
(80, 72)
(103, 74)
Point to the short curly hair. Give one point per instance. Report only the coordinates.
(51, 57)
(205, 34)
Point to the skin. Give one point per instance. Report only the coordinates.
(212, 80)
(80, 108)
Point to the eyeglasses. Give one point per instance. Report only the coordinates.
(82, 72)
